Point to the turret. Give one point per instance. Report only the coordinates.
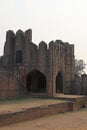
(19, 46)
(42, 55)
(28, 47)
(28, 35)
(9, 47)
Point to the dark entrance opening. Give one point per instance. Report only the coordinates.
(19, 56)
(59, 83)
(36, 82)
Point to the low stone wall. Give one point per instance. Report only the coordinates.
(33, 113)
(80, 103)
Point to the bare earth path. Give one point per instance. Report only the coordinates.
(68, 121)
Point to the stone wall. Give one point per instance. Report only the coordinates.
(57, 58)
(34, 113)
(9, 85)
(84, 84)
(21, 57)
(79, 85)
(26, 114)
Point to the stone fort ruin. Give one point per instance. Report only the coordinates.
(26, 68)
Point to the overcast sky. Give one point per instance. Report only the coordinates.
(49, 20)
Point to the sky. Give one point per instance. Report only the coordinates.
(49, 20)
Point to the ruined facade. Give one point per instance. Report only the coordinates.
(79, 85)
(26, 68)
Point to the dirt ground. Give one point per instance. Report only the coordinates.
(18, 105)
(24, 103)
(65, 121)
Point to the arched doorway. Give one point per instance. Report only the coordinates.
(19, 57)
(59, 83)
(36, 82)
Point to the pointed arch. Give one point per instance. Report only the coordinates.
(59, 83)
(36, 81)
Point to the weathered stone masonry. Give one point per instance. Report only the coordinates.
(27, 68)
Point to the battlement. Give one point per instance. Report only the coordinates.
(19, 48)
(23, 37)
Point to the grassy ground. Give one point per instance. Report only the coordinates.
(15, 100)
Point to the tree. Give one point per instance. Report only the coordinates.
(79, 67)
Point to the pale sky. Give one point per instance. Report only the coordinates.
(49, 20)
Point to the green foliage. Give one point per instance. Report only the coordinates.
(79, 67)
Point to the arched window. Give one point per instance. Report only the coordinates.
(19, 57)
(36, 82)
(59, 83)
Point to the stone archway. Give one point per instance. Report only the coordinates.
(36, 82)
(59, 83)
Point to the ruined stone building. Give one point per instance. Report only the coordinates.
(26, 68)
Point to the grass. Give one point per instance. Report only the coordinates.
(25, 99)
(15, 100)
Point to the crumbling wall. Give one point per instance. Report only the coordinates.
(9, 48)
(9, 85)
(77, 85)
(19, 50)
(84, 84)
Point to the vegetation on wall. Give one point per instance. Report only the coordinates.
(80, 66)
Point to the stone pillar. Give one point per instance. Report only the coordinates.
(50, 70)
(69, 67)
(28, 35)
(9, 47)
(42, 56)
(59, 62)
(28, 53)
(19, 43)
